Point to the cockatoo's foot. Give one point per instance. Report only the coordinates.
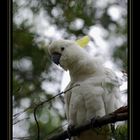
(69, 129)
(93, 121)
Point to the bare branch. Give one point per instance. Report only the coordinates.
(120, 114)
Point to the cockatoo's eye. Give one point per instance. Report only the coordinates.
(62, 48)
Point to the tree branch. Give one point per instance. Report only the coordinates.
(120, 114)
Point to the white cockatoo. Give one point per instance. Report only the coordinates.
(97, 93)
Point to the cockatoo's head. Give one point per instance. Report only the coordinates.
(66, 53)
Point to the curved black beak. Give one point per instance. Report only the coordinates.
(56, 58)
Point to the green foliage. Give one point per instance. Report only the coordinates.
(121, 132)
(27, 81)
(47, 126)
(121, 54)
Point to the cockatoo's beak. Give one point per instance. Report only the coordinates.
(56, 58)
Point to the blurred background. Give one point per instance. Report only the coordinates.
(38, 22)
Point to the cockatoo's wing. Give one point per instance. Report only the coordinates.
(112, 96)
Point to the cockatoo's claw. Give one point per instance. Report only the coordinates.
(69, 129)
(93, 121)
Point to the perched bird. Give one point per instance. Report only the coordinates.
(98, 91)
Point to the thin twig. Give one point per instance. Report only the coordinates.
(20, 113)
(20, 120)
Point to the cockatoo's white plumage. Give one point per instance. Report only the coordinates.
(98, 90)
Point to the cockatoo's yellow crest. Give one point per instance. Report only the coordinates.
(82, 42)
